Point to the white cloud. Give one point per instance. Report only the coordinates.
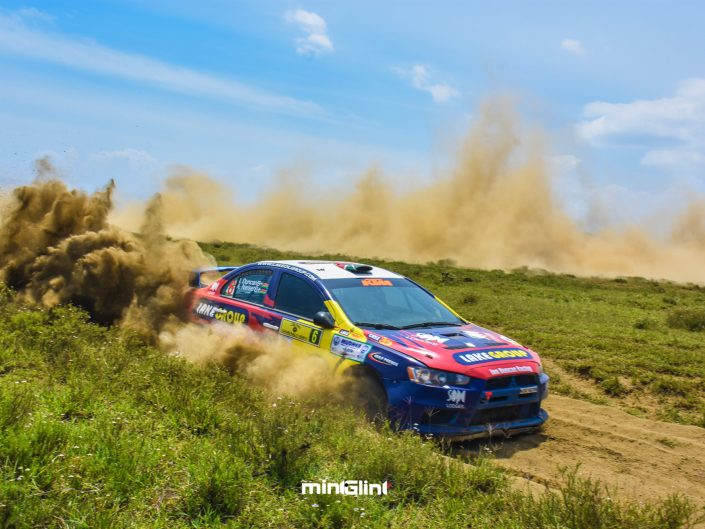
(308, 21)
(16, 39)
(672, 158)
(420, 79)
(680, 117)
(316, 40)
(33, 13)
(573, 46)
(679, 120)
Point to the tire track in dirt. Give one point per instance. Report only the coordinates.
(640, 458)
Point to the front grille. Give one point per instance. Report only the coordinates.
(511, 382)
(499, 383)
(505, 414)
(526, 380)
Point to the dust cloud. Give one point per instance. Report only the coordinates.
(495, 209)
(57, 247)
(265, 359)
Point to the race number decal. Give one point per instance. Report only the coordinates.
(300, 331)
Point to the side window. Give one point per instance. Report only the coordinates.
(250, 286)
(297, 297)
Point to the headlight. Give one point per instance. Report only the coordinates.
(433, 377)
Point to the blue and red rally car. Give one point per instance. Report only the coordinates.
(432, 370)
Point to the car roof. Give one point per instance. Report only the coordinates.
(330, 269)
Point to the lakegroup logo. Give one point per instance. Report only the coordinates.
(348, 487)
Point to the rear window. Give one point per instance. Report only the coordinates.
(297, 296)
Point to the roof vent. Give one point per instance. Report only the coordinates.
(355, 268)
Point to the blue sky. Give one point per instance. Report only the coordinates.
(127, 89)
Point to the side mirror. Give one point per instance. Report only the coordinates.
(324, 319)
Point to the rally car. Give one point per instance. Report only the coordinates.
(429, 369)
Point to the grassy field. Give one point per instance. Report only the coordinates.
(98, 429)
(630, 342)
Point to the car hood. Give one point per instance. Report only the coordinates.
(468, 349)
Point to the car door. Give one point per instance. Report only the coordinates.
(296, 301)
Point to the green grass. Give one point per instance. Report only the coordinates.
(639, 343)
(99, 430)
(691, 319)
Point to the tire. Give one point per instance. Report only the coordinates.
(363, 390)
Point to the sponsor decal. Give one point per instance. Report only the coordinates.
(214, 286)
(529, 390)
(250, 286)
(510, 370)
(344, 332)
(380, 339)
(490, 355)
(376, 282)
(230, 316)
(357, 334)
(206, 309)
(291, 268)
(431, 338)
(349, 487)
(300, 331)
(383, 360)
(350, 349)
(456, 398)
(220, 314)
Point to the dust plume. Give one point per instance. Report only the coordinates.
(495, 209)
(265, 359)
(57, 247)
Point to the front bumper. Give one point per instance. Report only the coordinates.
(479, 431)
(505, 407)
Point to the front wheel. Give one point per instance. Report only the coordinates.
(363, 390)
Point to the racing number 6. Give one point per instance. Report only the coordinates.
(314, 336)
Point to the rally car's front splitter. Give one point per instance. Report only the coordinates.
(476, 431)
(503, 429)
(468, 413)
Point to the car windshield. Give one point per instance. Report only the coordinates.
(393, 303)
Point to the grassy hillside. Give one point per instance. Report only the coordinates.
(97, 429)
(631, 342)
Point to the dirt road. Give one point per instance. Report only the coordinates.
(641, 458)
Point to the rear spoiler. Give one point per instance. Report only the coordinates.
(195, 278)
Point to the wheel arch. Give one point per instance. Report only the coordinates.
(365, 371)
